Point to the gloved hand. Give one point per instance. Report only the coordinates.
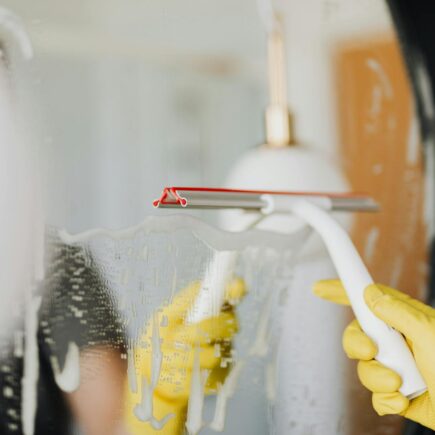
(416, 321)
(179, 344)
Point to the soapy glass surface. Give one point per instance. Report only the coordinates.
(147, 266)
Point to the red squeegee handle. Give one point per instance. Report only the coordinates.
(171, 195)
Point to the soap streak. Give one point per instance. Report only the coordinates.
(157, 356)
(144, 411)
(68, 380)
(271, 376)
(261, 342)
(131, 370)
(225, 392)
(195, 407)
(31, 366)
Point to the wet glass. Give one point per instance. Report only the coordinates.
(115, 100)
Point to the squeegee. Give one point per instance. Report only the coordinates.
(313, 208)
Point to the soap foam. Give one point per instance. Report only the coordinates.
(215, 238)
(68, 380)
(194, 422)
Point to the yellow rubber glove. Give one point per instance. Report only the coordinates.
(416, 321)
(180, 343)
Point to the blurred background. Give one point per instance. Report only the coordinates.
(135, 95)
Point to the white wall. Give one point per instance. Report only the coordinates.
(313, 27)
(135, 95)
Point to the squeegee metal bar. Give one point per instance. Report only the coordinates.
(212, 198)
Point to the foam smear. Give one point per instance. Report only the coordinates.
(213, 237)
(144, 410)
(18, 344)
(195, 407)
(131, 370)
(31, 366)
(225, 392)
(261, 343)
(271, 376)
(157, 356)
(68, 380)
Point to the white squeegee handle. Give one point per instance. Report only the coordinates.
(393, 352)
(211, 295)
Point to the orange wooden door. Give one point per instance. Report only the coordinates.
(379, 142)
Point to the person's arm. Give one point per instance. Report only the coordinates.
(416, 321)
